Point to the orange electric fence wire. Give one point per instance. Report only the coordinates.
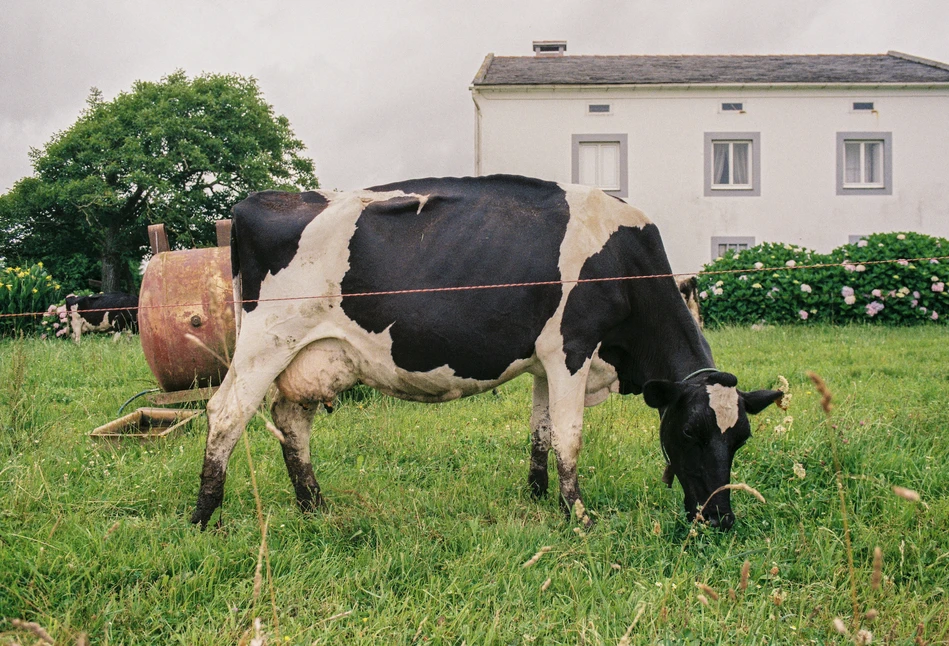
(429, 290)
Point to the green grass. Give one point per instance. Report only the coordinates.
(429, 519)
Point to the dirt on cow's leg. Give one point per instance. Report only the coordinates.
(537, 478)
(295, 421)
(210, 495)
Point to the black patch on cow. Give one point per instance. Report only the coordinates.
(469, 231)
(122, 309)
(265, 236)
(644, 324)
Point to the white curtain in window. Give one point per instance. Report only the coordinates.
(852, 163)
(609, 167)
(873, 162)
(741, 164)
(720, 172)
(588, 164)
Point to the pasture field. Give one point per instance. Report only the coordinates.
(430, 524)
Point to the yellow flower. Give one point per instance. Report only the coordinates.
(49, 278)
(35, 291)
(55, 286)
(40, 264)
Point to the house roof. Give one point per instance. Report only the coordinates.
(892, 67)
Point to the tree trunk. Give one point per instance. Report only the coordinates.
(111, 261)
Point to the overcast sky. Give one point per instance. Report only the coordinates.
(378, 91)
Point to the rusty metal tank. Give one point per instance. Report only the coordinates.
(186, 316)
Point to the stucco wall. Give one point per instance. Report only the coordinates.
(529, 133)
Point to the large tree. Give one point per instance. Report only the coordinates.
(178, 151)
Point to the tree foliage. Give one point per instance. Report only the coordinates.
(177, 151)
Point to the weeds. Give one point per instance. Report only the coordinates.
(429, 520)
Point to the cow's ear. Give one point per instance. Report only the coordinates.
(756, 401)
(659, 393)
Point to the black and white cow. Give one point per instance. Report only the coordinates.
(304, 264)
(108, 312)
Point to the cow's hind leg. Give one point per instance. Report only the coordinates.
(540, 439)
(296, 421)
(229, 410)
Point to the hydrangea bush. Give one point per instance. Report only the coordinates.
(25, 292)
(876, 280)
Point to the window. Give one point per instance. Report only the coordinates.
(722, 245)
(864, 163)
(863, 105)
(732, 164)
(599, 108)
(733, 107)
(601, 161)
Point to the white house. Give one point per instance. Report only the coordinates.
(725, 152)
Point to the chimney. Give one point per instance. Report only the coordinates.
(550, 47)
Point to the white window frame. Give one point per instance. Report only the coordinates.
(861, 147)
(617, 139)
(883, 187)
(752, 189)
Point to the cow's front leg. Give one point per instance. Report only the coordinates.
(566, 417)
(540, 439)
(296, 422)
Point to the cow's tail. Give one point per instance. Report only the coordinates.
(236, 278)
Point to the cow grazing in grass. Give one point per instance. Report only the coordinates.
(109, 312)
(303, 264)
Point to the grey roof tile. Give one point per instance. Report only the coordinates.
(892, 67)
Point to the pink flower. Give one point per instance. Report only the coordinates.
(703, 295)
(850, 300)
(846, 291)
(790, 263)
(877, 293)
(902, 262)
(938, 287)
(913, 303)
(806, 289)
(862, 243)
(915, 294)
(874, 308)
(933, 261)
(935, 317)
(803, 315)
(860, 268)
(849, 267)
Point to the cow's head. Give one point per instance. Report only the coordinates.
(704, 421)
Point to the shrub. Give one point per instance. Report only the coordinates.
(876, 279)
(24, 296)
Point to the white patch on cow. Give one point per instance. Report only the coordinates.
(78, 324)
(601, 381)
(724, 401)
(594, 217)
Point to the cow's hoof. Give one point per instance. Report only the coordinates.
(537, 481)
(311, 504)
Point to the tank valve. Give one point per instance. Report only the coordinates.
(195, 321)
